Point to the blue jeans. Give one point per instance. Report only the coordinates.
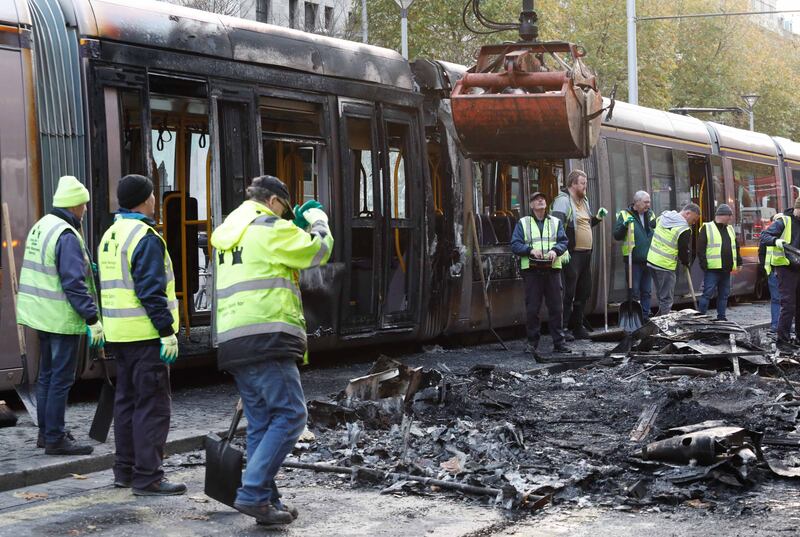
(275, 408)
(719, 281)
(642, 286)
(58, 357)
(774, 300)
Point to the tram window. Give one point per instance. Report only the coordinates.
(124, 143)
(283, 123)
(719, 183)
(664, 195)
(756, 199)
(545, 176)
(398, 191)
(163, 144)
(359, 138)
(795, 187)
(626, 162)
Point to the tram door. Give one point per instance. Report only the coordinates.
(381, 176)
(234, 152)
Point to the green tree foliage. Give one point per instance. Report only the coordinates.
(699, 62)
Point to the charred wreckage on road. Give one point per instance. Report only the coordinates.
(684, 410)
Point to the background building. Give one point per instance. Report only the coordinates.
(329, 17)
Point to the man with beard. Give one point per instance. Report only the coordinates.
(573, 209)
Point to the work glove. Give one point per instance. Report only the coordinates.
(779, 243)
(565, 257)
(169, 349)
(315, 215)
(299, 220)
(94, 268)
(628, 221)
(601, 213)
(95, 335)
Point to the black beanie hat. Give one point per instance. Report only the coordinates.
(133, 190)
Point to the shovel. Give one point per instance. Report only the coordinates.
(630, 311)
(691, 286)
(104, 414)
(223, 464)
(24, 389)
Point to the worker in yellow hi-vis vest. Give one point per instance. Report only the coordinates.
(57, 298)
(718, 255)
(785, 231)
(259, 251)
(140, 309)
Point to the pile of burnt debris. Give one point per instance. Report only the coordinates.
(684, 410)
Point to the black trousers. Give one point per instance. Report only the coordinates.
(789, 289)
(577, 287)
(142, 409)
(543, 284)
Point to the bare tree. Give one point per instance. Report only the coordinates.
(233, 8)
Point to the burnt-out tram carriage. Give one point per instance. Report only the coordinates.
(201, 103)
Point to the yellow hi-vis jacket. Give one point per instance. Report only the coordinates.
(664, 246)
(124, 318)
(41, 302)
(257, 260)
(778, 258)
(714, 245)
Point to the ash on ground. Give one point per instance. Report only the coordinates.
(595, 433)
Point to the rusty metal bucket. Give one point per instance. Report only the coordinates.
(511, 106)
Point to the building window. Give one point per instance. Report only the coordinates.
(328, 18)
(292, 13)
(311, 16)
(262, 10)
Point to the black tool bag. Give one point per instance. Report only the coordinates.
(793, 255)
(224, 463)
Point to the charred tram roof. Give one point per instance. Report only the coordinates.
(168, 27)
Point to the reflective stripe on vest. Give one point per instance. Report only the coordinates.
(714, 246)
(778, 255)
(542, 241)
(664, 246)
(768, 259)
(124, 317)
(41, 302)
(253, 295)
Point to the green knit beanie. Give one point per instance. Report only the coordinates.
(70, 193)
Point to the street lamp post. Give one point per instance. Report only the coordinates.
(750, 99)
(404, 5)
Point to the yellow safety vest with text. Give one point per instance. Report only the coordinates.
(124, 318)
(714, 245)
(664, 246)
(542, 241)
(41, 301)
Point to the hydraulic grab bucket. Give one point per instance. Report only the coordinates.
(510, 105)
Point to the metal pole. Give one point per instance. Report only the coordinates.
(364, 22)
(750, 111)
(404, 31)
(633, 70)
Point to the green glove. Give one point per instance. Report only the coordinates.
(299, 210)
(601, 213)
(94, 269)
(95, 335)
(169, 349)
(629, 220)
(779, 243)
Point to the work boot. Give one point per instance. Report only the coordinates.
(65, 446)
(283, 506)
(122, 483)
(40, 438)
(161, 488)
(265, 514)
(568, 337)
(561, 348)
(580, 333)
